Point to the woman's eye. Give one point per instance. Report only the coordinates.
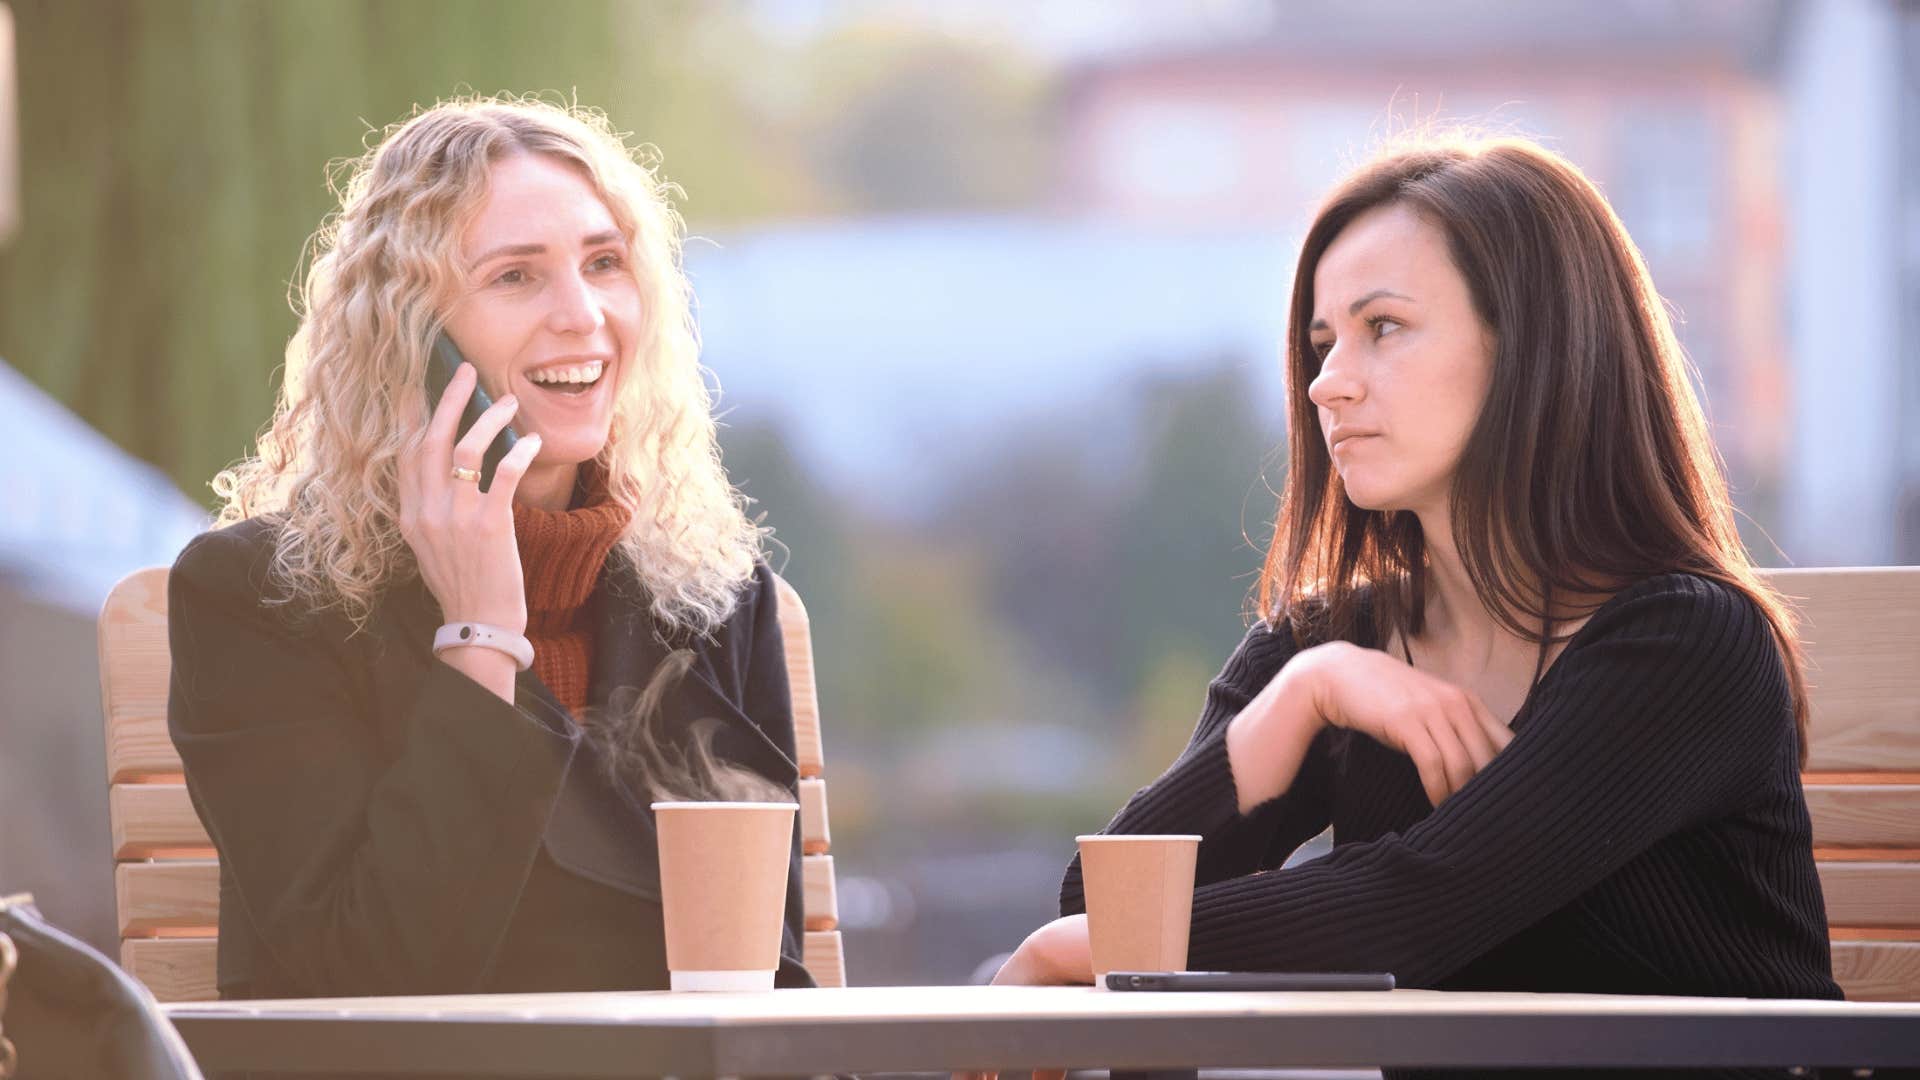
(511, 277)
(1322, 348)
(1382, 325)
(606, 262)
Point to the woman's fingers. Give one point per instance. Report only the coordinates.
(1488, 727)
(1470, 730)
(1419, 746)
(1497, 729)
(472, 448)
(506, 476)
(1454, 757)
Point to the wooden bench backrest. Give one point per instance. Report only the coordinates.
(1860, 628)
(1861, 631)
(166, 876)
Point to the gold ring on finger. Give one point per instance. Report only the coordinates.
(461, 473)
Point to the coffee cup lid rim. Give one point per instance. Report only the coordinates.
(1105, 837)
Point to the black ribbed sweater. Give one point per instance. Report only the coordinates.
(1645, 831)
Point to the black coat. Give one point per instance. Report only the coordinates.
(388, 826)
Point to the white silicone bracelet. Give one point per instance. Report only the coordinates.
(460, 634)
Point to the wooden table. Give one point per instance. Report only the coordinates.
(876, 1029)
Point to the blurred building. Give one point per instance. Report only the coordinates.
(1851, 76)
(897, 350)
(1669, 107)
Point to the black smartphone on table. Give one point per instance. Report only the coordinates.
(1248, 980)
(444, 361)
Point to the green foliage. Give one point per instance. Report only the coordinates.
(1188, 546)
(1118, 539)
(1172, 689)
(174, 159)
(907, 121)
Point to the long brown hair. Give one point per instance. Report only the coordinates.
(1590, 465)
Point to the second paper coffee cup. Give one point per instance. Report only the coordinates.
(1139, 901)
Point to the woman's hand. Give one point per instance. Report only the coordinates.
(1446, 729)
(1057, 954)
(462, 538)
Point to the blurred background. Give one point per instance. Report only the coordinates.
(993, 291)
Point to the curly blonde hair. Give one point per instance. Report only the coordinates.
(381, 276)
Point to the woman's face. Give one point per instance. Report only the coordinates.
(1405, 360)
(551, 311)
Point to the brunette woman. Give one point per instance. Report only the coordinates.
(1508, 644)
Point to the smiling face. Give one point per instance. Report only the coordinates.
(1405, 360)
(551, 311)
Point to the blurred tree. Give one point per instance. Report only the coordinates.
(1173, 689)
(906, 637)
(1119, 540)
(811, 547)
(1043, 510)
(173, 160)
(907, 120)
(1186, 547)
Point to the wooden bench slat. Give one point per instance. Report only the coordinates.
(155, 819)
(1857, 626)
(1871, 894)
(139, 748)
(825, 957)
(796, 633)
(1866, 815)
(820, 898)
(815, 837)
(135, 663)
(1878, 933)
(174, 969)
(155, 898)
(1878, 970)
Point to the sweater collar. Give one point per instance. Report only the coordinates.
(563, 551)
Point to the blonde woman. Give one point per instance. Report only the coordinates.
(398, 695)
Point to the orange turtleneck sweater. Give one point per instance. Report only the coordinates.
(561, 555)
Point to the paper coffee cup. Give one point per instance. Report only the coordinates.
(1139, 901)
(723, 888)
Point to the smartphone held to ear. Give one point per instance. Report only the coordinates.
(445, 360)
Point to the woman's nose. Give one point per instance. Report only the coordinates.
(1336, 381)
(575, 308)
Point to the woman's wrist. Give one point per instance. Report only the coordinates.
(1268, 741)
(494, 670)
(458, 635)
